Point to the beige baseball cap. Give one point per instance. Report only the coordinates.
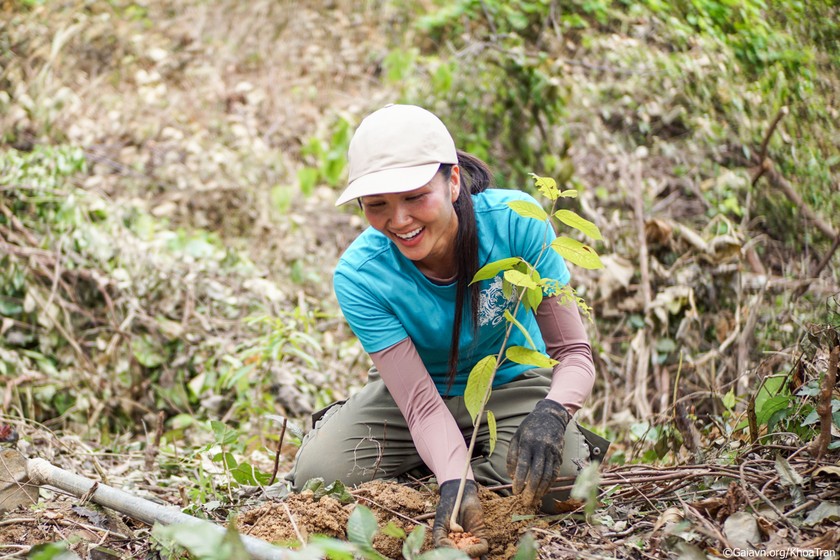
(396, 149)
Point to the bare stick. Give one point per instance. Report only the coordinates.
(819, 268)
(783, 185)
(639, 211)
(820, 445)
(277, 455)
(294, 524)
(154, 445)
(762, 152)
(42, 472)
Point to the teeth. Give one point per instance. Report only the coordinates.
(410, 234)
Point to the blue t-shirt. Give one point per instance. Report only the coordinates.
(385, 298)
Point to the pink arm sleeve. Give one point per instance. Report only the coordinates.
(435, 433)
(566, 341)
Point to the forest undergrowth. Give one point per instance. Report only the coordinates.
(167, 238)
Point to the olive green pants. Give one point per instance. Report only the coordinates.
(367, 438)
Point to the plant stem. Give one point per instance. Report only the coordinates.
(453, 518)
(453, 523)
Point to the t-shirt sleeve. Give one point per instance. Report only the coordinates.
(371, 319)
(436, 435)
(529, 236)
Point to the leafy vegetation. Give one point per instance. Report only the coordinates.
(167, 232)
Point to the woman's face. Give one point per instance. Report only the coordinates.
(422, 223)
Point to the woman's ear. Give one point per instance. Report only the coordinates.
(455, 183)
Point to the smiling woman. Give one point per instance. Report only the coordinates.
(405, 286)
(422, 223)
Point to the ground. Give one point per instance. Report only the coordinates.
(202, 116)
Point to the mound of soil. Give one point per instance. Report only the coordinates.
(301, 515)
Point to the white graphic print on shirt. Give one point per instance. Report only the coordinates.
(492, 304)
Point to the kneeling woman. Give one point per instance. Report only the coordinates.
(404, 288)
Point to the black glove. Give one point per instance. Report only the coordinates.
(471, 517)
(536, 450)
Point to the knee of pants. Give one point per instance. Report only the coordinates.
(310, 460)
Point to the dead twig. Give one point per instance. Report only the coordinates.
(417, 521)
(154, 445)
(690, 433)
(819, 268)
(762, 152)
(783, 185)
(294, 524)
(277, 454)
(820, 445)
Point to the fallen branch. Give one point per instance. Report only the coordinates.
(38, 472)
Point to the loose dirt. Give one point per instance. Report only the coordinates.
(301, 515)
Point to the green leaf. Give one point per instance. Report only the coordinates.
(248, 475)
(223, 434)
(770, 407)
(547, 186)
(232, 546)
(479, 381)
(527, 548)
(320, 546)
(361, 527)
(52, 551)
(442, 554)
(533, 298)
(492, 269)
(491, 426)
(201, 539)
(577, 253)
(581, 224)
(528, 209)
(307, 179)
(728, 399)
(586, 487)
(393, 530)
(509, 317)
(526, 356)
(335, 490)
(226, 459)
(414, 542)
(571, 193)
(519, 279)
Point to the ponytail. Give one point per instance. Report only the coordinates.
(475, 178)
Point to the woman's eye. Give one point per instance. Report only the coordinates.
(416, 197)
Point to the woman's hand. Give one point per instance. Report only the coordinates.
(471, 517)
(536, 450)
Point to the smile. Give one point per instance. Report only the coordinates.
(410, 235)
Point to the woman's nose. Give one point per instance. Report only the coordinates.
(400, 216)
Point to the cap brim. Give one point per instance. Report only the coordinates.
(398, 180)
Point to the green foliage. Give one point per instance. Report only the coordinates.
(521, 276)
(203, 541)
(51, 551)
(112, 313)
(527, 548)
(335, 490)
(326, 160)
(586, 487)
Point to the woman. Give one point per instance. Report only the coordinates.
(404, 286)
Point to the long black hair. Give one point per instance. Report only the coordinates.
(475, 178)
